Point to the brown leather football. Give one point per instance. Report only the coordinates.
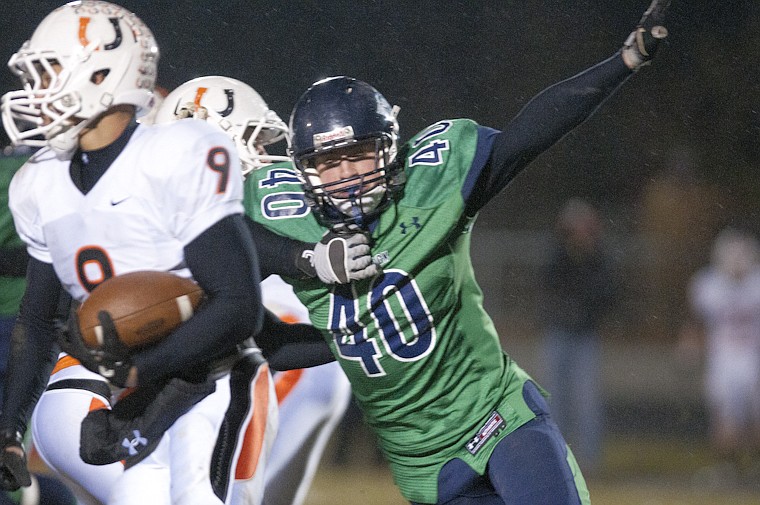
(145, 307)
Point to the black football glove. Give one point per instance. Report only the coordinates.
(134, 427)
(71, 342)
(642, 43)
(13, 471)
(112, 360)
(342, 258)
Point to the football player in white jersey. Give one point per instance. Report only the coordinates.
(312, 400)
(106, 196)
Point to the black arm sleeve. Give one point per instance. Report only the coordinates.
(223, 262)
(290, 346)
(32, 349)
(547, 118)
(13, 261)
(280, 255)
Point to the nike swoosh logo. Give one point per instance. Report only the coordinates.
(117, 202)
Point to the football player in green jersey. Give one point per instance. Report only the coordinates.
(458, 420)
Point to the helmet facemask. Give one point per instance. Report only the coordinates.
(336, 113)
(358, 199)
(257, 134)
(46, 107)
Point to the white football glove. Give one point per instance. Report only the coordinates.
(339, 259)
(642, 43)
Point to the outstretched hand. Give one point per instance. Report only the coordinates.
(643, 42)
(13, 471)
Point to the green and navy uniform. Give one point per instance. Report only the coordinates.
(421, 353)
(423, 357)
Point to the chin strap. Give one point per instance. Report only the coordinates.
(66, 142)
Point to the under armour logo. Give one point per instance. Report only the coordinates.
(415, 222)
(133, 445)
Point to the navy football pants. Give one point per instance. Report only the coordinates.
(528, 467)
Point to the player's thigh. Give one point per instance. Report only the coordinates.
(193, 439)
(56, 424)
(210, 440)
(147, 482)
(458, 484)
(533, 463)
(256, 447)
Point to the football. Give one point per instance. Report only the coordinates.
(145, 307)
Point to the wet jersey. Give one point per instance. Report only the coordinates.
(422, 355)
(128, 221)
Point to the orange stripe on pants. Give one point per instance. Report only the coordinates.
(253, 439)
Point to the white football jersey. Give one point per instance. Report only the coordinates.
(169, 184)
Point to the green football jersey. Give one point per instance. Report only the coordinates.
(423, 357)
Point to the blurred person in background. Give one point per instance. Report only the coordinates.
(724, 331)
(578, 286)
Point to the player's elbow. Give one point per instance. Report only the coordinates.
(247, 314)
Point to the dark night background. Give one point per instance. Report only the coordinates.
(484, 60)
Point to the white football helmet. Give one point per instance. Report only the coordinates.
(83, 58)
(235, 108)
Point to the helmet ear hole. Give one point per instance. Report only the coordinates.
(99, 76)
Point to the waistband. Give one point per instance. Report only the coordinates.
(93, 386)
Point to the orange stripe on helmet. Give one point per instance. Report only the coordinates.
(198, 95)
(83, 22)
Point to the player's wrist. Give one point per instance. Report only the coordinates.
(11, 439)
(304, 260)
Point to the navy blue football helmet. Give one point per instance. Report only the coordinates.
(341, 112)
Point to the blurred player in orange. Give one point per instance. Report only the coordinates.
(311, 400)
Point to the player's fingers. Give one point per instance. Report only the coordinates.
(364, 273)
(360, 252)
(111, 342)
(357, 239)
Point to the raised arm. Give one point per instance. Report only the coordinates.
(560, 108)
